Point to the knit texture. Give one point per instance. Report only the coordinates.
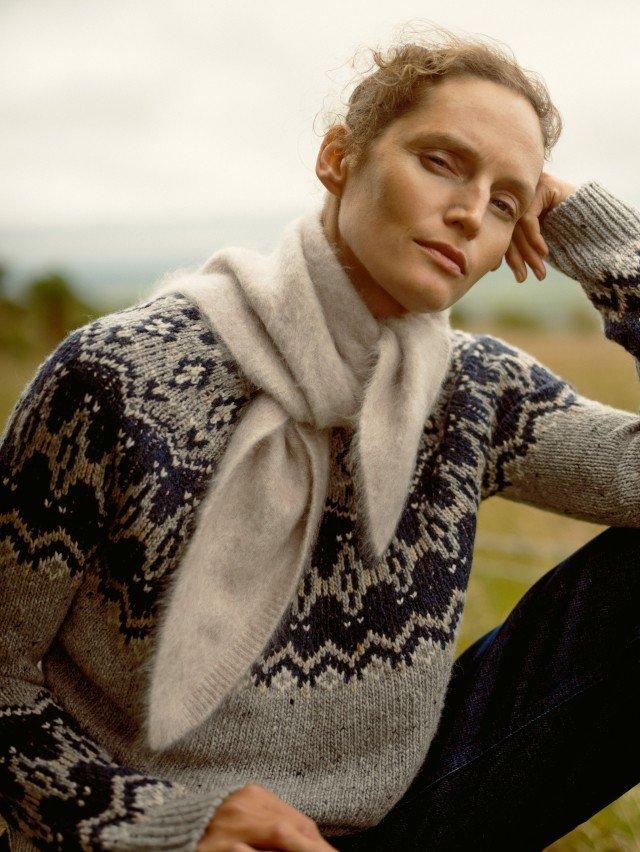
(299, 330)
(103, 463)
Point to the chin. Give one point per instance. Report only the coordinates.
(428, 296)
(432, 302)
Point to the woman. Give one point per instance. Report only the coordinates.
(238, 517)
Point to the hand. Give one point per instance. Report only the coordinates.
(255, 818)
(527, 243)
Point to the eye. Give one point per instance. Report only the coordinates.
(438, 160)
(509, 209)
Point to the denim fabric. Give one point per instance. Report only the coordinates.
(539, 729)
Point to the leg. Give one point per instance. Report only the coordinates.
(539, 726)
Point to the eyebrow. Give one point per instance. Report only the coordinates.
(525, 191)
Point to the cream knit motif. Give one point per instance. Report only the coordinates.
(298, 329)
(105, 461)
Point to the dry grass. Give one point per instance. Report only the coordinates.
(517, 544)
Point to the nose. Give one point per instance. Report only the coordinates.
(466, 209)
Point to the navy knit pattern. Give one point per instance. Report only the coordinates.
(339, 618)
(103, 463)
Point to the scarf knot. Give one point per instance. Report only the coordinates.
(303, 335)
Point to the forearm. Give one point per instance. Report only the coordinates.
(557, 449)
(594, 238)
(59, 788)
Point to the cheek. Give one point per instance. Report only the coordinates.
(496, 252)
(407, 196)
(370, 220)
(362, 202)
(391, 195)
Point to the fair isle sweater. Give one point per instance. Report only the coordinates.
(103, 462)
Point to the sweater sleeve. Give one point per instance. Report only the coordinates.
(555, 448)
(58, 787)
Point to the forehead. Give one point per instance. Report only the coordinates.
(482, 125)
(486, 118)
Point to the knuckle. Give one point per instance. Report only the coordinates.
(212, 846)
(311, 826)
(229, 801)
(232, 806)
(280, 831)
(240, 809)
(238, 798)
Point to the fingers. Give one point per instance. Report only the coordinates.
(287, 837)
(278, 836)
(530, 254)
(301, 821)
(515, 261)
(527, 246)
(234, 846)
(529, 225)
(257, 818)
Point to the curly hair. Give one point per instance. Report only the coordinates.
(405, 71)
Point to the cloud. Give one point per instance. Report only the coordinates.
(129, 111)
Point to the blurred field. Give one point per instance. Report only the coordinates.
(515, 544)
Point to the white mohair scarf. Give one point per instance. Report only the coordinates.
(302, 334)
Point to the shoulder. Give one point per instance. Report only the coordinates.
(158, 335)
(156, 347)
(143, 362)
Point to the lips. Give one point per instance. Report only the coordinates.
(448, 251)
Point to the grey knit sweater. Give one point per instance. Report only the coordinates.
(103, 462)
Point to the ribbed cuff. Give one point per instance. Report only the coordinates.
(177, 824)
(593, 235)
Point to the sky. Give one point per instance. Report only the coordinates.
(159, 119)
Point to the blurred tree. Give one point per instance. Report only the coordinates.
(55, 307)
(12, 315)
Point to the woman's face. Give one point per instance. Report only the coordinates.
(416, 186)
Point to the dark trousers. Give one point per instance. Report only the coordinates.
(541, 725)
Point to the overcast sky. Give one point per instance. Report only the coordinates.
(125, 111)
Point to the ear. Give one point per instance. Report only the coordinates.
(331, 164)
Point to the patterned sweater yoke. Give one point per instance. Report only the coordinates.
(104, 460)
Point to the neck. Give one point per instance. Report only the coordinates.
(377, 299)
